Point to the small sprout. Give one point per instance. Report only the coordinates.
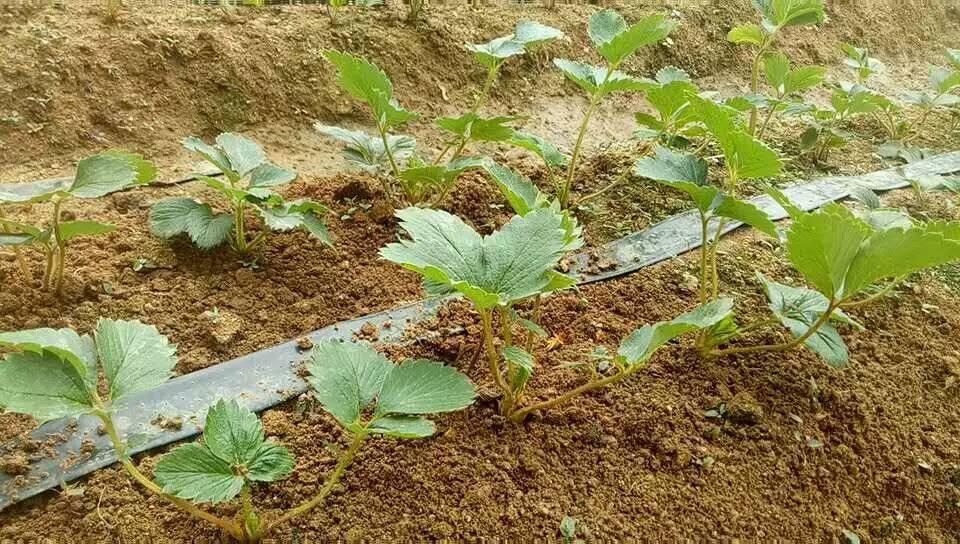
(852, 537)
(814, 442)
(568, 530)
(142, 264)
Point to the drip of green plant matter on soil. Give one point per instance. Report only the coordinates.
(96, 176)
(248, 183)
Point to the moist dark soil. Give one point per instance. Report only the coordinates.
(807, 452)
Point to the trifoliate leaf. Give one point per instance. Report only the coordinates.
(72, 229)
(671, 102)
(492, 53)
(297, 214)
(799, 308)
(194, 473)
(823, 245)
(346, 378)
(66, 344)
(135, 357)
(44, 386)
(597, 80)
(403, 427)
(509, 265)
(368, 151)
(637, 348)
(101, 175)
(173, 216)
(471, 126)
(751, 34)
(424, 387)
(616, 42)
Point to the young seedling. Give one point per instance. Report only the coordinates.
(776, 15)
(248, 183)
(675, 123)
(96, 176)
(842, 256)
(367, 394)
(405, 177)
(495, 273)
(616, 41)
(54, 373)
(688, 173)
(886, 113)
(945, 82)
(928, 183)
(825, 130)
(859, 60)
(786, 83)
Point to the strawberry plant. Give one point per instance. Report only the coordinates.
(55, 373)
(787, 83)
(405, 177)
(776, 15)
(248, 182)
(842, 257)
(885, 112)
(674, 123)
(858, 59)
(945, 93)
(95, 177)
(688, 173)
(616, 41)
(825, 126)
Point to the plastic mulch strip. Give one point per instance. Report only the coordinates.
(268, 377)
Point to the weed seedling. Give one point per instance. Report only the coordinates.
(96, 177)
(55, 373)
(248, 182)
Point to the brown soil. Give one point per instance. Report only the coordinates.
(638, 462)
(629, 463)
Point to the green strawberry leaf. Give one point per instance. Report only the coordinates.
(403, 427)
(823, 245)
(799, 308)
(637, 348)
(615, 41)
(194, 473)
(44, 386)
(750, 34)
(66, 344)
(183, 215)
(36, 191)
(72, 229)
(424, 387)
(367, 151)
(346, 378)
(542, 148)
(103, 174)
(509, 265)
(135, 357)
